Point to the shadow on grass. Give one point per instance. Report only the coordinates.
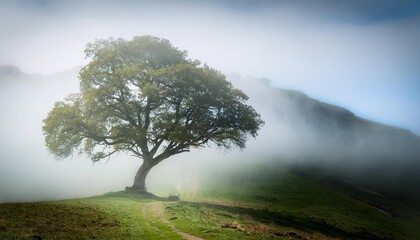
(285, 219)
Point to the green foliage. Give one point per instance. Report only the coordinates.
(145, 97)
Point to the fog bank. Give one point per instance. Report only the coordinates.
(298, 130)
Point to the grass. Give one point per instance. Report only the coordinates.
(115, 216)
(263, 202)
(285, 195)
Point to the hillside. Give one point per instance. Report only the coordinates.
(335, 140)
(373, 155)
(280, 204)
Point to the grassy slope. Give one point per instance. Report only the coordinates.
(119, 216)
(263, 203)
(289, 199)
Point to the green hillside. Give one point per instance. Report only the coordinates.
(270, 201)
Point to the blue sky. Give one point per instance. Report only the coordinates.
(362, 55)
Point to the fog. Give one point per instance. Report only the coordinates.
(297, 130)
(361, 56)
(27, 170)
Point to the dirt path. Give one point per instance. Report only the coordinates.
(156, 211)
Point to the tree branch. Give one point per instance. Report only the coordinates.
(155, 148)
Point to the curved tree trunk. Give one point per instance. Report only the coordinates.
(139, 184)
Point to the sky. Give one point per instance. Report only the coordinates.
(362, 55)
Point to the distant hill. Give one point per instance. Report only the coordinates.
(341, 128)
(9, 74)
(332, 140)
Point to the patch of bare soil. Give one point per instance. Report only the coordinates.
(233, 225)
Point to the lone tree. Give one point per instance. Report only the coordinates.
(145, 97)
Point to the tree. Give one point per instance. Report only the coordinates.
(146, 98)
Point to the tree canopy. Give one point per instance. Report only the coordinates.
(145, 97)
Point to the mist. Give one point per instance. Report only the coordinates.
(360, 56)
(298, 130)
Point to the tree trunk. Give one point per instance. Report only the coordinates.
(139, 184)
